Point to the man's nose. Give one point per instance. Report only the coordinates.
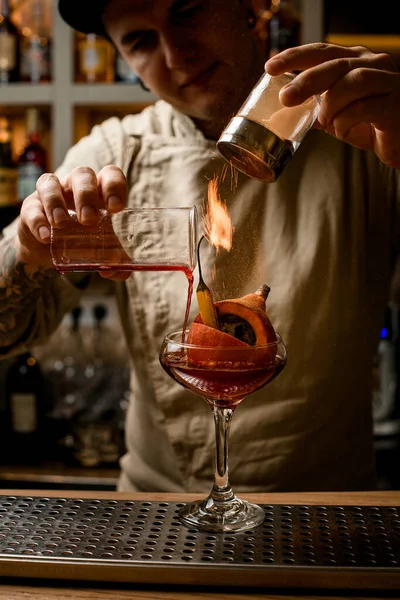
(177, 48)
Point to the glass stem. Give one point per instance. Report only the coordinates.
(221, 490)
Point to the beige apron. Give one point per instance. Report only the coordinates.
(311, 427)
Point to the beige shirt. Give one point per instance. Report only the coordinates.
(324, 237)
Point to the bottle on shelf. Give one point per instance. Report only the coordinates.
(123, 72)
(284, 25)
(32, 162)
(263, 15)
(9, 208)
(100, 434)
(35, 64)
(9, 46)
(385, 409)
(94, 59)
(25, 410)
(65, 364)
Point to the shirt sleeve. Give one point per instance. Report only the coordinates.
(40, 309)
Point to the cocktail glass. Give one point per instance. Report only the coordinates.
(223, 376)
(134, 239)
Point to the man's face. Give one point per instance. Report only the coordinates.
(198, 55)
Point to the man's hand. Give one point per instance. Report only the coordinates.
(83, 191)
(360, 92)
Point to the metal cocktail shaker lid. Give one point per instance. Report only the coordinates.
(254, 150)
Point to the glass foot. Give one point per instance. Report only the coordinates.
(233, 515)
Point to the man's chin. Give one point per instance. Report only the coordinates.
(211, 110)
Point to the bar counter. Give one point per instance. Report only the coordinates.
(20, 588)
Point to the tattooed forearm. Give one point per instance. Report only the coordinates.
(21, 285)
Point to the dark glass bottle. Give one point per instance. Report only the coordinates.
(284, 26)
(36, 47)
(9, 208)
(25, 409)
(9, 46)
(32, 163)
(262, 14)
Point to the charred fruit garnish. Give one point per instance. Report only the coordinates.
(230, 323)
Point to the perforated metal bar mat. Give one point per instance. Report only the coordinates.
(143, 542)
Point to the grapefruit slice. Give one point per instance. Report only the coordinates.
(242, 322)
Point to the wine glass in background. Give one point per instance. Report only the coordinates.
(223, 376)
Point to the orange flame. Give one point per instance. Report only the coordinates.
(217, 222)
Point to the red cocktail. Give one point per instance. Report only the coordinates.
(223, 376)
(224, 383)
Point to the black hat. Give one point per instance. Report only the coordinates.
(83, 15)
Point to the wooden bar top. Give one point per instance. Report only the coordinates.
(59, 590)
